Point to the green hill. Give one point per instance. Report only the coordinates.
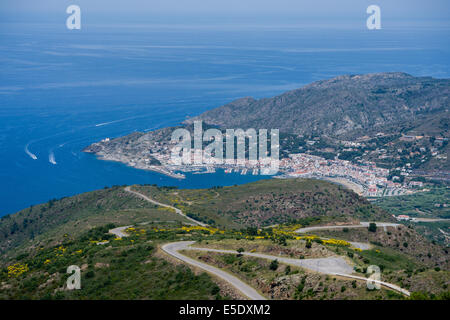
(39, 243)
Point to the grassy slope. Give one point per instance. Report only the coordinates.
(423, 205)
(73, 215)
(260, 203)
(268, 202)
(402, 243)
(420, 204)
(130, 269)
(292, 283)
(123, 269)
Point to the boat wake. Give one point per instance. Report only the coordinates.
(32, 155)
(51, 157)
(115, 121)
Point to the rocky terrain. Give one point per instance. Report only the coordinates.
(346, 106)
(394, 118)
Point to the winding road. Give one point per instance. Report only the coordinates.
(119, 232)
(361, 225)
(178, 211)
(331, 265)
(360, 245)
(337, 266)
(173, 248)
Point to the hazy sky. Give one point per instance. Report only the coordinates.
(238, 13)
(338, 9)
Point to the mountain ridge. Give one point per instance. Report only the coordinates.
(393, 119)
(344, 106)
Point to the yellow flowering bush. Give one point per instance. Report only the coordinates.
(17, 269)
(336, 242)
(136, 231)
(211, 230)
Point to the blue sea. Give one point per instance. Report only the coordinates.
(62, 90)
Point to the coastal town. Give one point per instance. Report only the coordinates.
(365, 178)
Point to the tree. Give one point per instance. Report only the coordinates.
(282, 241)
(287, 270)
(215, 290)
(308, 244)
(372, 227)
(252, 231)
(419, 296)
(274, 265)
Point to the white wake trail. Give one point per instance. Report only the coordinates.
(119, 120)
(51, 157)
(32, 155)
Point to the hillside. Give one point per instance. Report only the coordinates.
(256, 204)
(346, 106)
(129, 269)
(39, 243)
(269, 202)
(393, 119)
(429, 205)
(44, 223)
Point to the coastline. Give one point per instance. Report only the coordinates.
(180, 176)
(159, 169)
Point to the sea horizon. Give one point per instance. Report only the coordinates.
(61, 91)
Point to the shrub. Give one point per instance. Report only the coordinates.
(418, 296)
(274, 265)
(308, 244)
(301, 285)
(215, 290)
(287, 270)
(372, 227)
(90, 274)
(282, 241)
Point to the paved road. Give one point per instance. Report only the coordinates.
(361, 225)
(178, 211)
(360, 245)
(331, 265)
(429, 220)
(118, 232)
(382, 283)
(173, 248)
